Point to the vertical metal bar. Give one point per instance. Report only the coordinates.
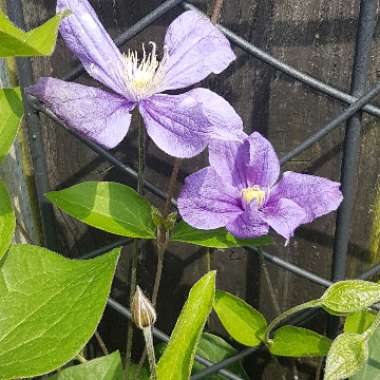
(366, 29)
(25, 74)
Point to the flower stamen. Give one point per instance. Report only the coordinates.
(254, 193)
(144, 76)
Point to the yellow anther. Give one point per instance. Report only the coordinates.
(253, 194)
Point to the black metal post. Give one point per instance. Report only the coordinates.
(366, 29)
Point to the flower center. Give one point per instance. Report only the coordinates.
(143, 76)
(254, 193)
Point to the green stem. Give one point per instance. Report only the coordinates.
(162, 244)
(81, 358)
(150, 349)
(136, 245)
(101, 343)
(370, 331)
(286, 314)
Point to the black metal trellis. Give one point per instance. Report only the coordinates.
(358, 100)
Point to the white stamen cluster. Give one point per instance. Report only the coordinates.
(144, 76)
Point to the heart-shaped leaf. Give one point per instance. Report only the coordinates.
(50, 307)
(109, 206)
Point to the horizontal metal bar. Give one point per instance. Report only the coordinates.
(106, 248)
(165, 338)
(225, 363)
(291, 267)
(289, 70)
(342, 117)
(131, 32)
(370, 272)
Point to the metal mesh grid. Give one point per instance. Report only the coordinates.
(358, 100)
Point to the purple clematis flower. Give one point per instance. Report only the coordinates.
(241, 190)
(181, 125)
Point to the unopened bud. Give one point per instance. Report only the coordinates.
(143, 313)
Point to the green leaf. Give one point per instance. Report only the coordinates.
(371, 369)
(50, 307)
(216, 349)
(350, 296)
(7, 220)
(219, 238)
(143, 372)
(244, 323)
(298, 342)
(348, 353)
(105, 368)
(359, 322)
(109, 206)
(11, 111)
(37, 42)
(178, 358)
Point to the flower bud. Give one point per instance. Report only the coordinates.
(143, 313)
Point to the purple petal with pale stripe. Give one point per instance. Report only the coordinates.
(316, 195)
(225, 123)
(176, 124)
(206, 202)
(89, 41)
(229, 160)
(196, 49)
(284, 216)
(102, 117)
(263, 168)
(249, 224)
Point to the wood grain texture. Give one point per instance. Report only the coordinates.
(317, 37)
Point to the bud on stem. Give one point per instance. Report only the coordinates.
(143, 312)
(144, 316)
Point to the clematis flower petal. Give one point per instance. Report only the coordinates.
(316, 195)
(196, 48)
(226, 124)
(263, 168)
(229, 159)
(94, 113)
(249, 224)
(89, 41)
(206, 202)
(176, 124)
(284, 216)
